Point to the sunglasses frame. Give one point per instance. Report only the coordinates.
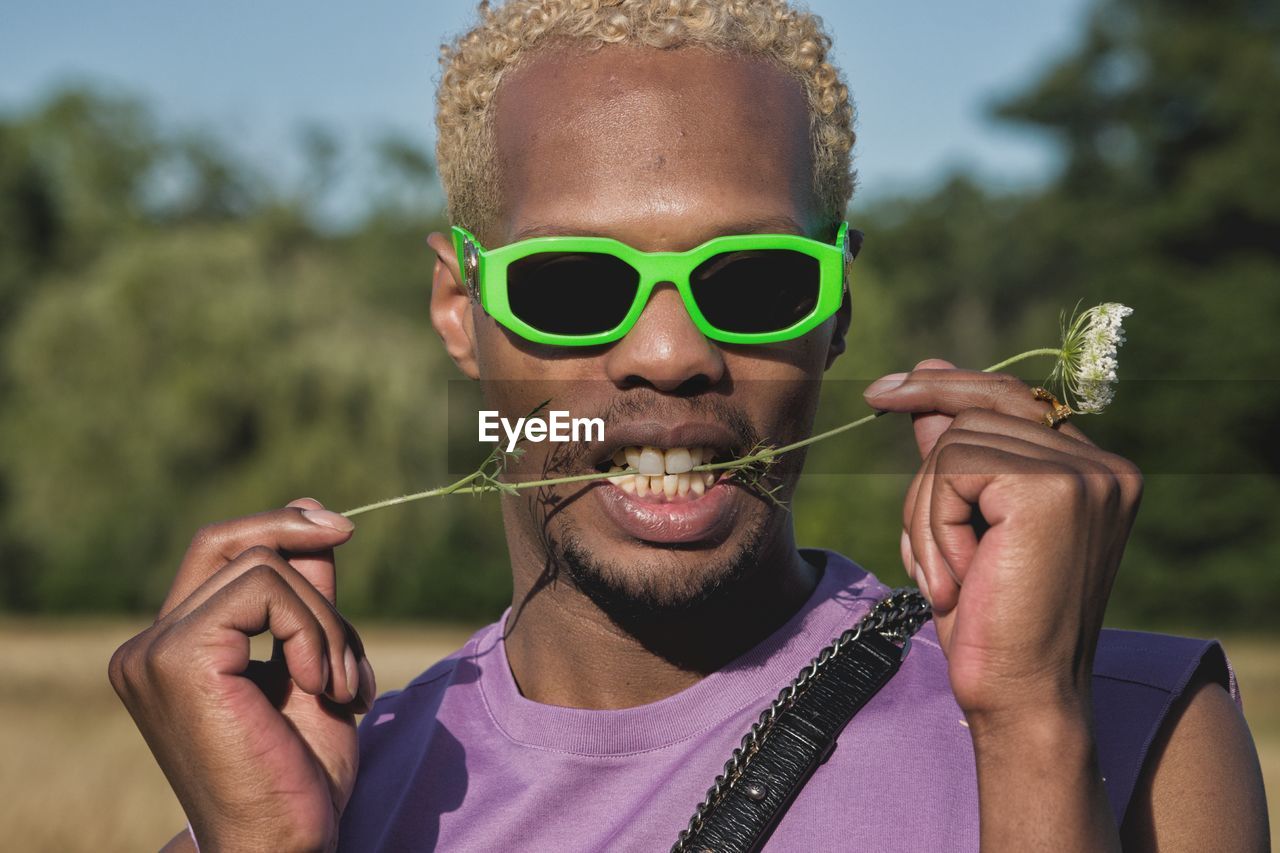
(485, 277)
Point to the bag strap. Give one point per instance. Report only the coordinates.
(798, 731)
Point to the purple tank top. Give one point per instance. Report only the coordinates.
(460, 760)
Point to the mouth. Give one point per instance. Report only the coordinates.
(663, 474)
(658, 459)
(655, 495)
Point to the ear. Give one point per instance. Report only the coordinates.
(840, 333)
(451, 306)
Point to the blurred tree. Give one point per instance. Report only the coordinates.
(1168, 115)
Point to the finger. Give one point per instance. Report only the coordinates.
(935, 578)
(951, 391)
(1126, 475)
(289, 529)
(994, 422)
(972, 425)
(929, 425)
(319, 567)
(260, 599)
(342, 672)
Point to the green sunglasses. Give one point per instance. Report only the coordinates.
(584, 291)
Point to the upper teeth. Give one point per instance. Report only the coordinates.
(655, 462)
(659, 471)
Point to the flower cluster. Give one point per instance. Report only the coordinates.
(1086, 371)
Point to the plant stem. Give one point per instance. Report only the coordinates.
(430, 493)
(1054, 351)
(464, 487)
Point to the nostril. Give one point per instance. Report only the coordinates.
(699, 383)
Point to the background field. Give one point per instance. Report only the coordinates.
(77, 776)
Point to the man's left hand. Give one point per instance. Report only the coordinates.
(1013, 531)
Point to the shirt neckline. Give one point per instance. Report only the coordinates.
(842, 595)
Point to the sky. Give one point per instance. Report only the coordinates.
(922, 75)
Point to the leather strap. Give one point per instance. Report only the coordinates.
(800, 739)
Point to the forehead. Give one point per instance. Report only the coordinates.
(658, 146)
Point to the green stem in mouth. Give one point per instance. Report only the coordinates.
(488, 473)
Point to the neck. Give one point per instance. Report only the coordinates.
(564, 650)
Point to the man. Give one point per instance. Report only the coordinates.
(653, 617)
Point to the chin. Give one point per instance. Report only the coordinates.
(632, 578)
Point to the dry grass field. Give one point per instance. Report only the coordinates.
(76, 775)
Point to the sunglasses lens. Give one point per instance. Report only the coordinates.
(764, 290)
(578, 293)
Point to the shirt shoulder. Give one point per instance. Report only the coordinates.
(1137, 679)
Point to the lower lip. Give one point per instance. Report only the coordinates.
(709, 516)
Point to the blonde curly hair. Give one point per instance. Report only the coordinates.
(474, 63)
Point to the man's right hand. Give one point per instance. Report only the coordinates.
(262, 755)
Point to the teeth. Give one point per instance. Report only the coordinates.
(659, 472)
(651, 462)
(670, 483)
(678, 460)
(655, 462)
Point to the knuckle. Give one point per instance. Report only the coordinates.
(1004, 386)
(261, 577)
(167, 656)
(1065, 484)
(1006, 382)
(953, 453)
(1125, 468)
(1127, 473)
(207, 538)
(260, 554)
(122, 669)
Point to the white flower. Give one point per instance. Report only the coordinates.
(1086, 371)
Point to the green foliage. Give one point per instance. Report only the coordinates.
(181, 342)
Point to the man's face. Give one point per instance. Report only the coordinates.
(661, 150)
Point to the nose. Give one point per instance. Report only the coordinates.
(665, 350)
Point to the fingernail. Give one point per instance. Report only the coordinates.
(884, 384)
(923, 584)
(353, 672)
(325, 518)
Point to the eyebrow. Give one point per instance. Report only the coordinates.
(758, 225)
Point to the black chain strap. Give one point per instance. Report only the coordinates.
(895, 617)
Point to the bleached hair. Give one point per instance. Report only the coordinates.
(474, 63)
